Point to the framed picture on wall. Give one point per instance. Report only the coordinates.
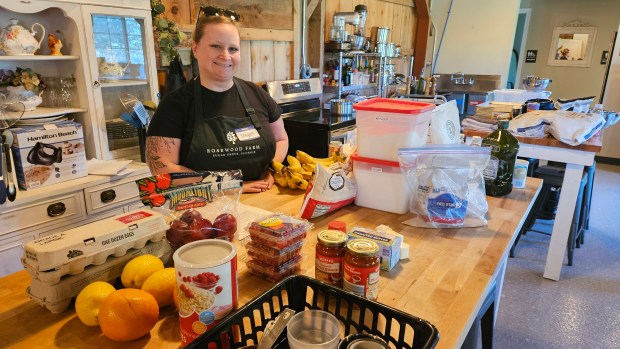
(571, 46)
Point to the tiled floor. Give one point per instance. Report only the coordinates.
(582, 310)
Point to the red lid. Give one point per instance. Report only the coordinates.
(391, 105)
(337, 225)
(354, 157)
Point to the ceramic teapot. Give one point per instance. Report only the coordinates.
(111, 70)
(17, 40)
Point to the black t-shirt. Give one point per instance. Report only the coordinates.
(174, 116)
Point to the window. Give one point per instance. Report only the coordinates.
(118, 39)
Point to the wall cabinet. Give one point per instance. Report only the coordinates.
(117, 31)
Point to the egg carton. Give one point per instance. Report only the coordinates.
(57, 298)
(69, 252)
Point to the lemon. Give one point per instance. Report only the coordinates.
(88, 301)
(161, 285)
(139, 269)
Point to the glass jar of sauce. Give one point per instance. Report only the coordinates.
(330, 250)
(361, 268)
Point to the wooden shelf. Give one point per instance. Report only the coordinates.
(39, 58)
(43, 112)
(122, 83)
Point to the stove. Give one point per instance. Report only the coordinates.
(309, 127)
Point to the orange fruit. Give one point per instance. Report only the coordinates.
(128, 314)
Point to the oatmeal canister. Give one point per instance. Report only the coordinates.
(330, 249)
(206, 285)
(361, 268)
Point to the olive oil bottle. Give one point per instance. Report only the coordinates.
(504, 147)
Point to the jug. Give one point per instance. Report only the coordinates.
(111, 70)
(17, 40)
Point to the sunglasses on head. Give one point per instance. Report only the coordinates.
(216, 11)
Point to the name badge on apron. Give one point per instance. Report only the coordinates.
(247, 133)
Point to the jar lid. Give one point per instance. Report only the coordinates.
(332, 237)
(363, 247)
(337, 225)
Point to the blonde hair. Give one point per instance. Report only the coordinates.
(203, 21)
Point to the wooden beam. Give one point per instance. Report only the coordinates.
(310, 9)
(410, 3)
(421, 35)
(266, 34)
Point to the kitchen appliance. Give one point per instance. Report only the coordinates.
(309, 127)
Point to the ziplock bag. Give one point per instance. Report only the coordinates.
(203, 207)
(447, 185)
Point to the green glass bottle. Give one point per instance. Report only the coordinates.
(504, 147)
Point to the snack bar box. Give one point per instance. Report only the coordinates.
(385, 124)
(74, 249)
(48, 154)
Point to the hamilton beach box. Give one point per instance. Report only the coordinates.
(48, 154)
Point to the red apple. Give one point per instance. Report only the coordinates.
(203, 227)
(225, 225)
(190, 215)
(175, 233)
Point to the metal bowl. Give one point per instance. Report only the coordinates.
(535, 84)
(341, 107)
(357, 42)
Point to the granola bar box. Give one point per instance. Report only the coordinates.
(48, 154)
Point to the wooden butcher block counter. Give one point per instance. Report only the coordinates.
(445, 280)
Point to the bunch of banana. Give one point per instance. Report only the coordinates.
(294, 175)
(310, 160)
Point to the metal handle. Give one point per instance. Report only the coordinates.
(96, 84)
(56, 210)
(107, 196)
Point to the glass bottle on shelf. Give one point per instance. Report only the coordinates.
(499, 171)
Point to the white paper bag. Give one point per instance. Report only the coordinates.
(445, 124)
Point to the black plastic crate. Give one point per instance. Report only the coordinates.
(299, 292)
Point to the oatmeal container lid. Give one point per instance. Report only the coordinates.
(363, 247)
(204, 253)
(332, 237)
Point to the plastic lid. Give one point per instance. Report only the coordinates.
(390, 105)
(337, 225)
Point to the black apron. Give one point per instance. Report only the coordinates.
(229, 142)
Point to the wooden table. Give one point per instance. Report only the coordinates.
(445, 280)
(575, 158)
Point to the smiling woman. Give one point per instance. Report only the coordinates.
(195, 126)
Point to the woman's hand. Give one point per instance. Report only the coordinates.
(260, 185)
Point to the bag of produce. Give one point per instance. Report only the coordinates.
(198, 205)
(447, 185)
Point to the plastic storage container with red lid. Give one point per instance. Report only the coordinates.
(279, 225)
(275, 273)
(385, 124)
(273, 256)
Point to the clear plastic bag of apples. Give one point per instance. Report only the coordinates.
(198, 205)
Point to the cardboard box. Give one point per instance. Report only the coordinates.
(71, 251)
(48, 154)
(389, 244)
(57, 297)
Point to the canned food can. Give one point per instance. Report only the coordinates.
(206, 272)
(330, 250)
(361, 268)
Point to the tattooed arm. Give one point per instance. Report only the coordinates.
(163, 155)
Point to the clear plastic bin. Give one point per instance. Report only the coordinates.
(384, 125)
